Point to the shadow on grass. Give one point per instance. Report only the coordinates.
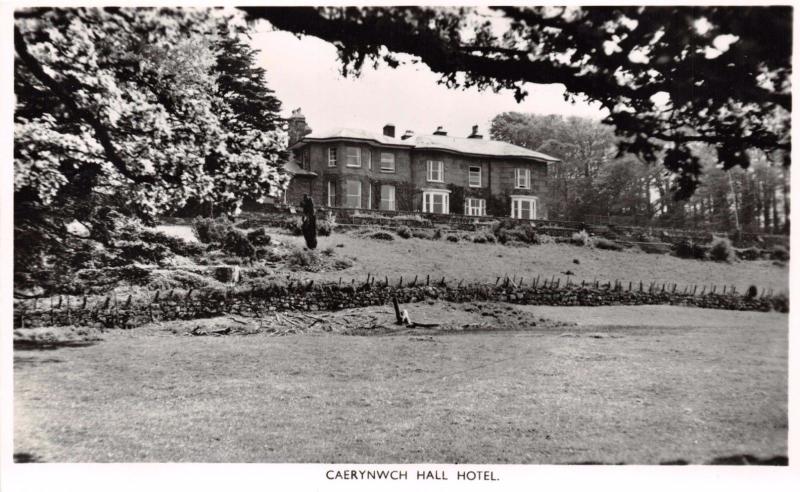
(34, 361)
(26, 458)
(736, 459)
(50, 345)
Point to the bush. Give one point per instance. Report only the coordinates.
(603, 243)
(452, 238)
(437, 234)
(422, 234)
(508, 230)
(749, 254)
(325, 226)
(327, 252)
(581, 238)
(779, 253)
(236, 243)
(689, 249)
(545, 239)
(140, 251)
(382, 236)
(259, 237)
(721, 249)
(483, 237)
(211, 231)
(404, 232)
(342, 263)
(302, 258)
(293, 224)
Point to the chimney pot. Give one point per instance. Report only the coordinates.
(440, 131)
(388, 130)
(475, 133)
(408, 134)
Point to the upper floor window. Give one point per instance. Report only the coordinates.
(331, 156)
(366, 156)
(475, 176)
(352, 157)
(387, 162)
(436, 171)
(305, 159)
(522, 178)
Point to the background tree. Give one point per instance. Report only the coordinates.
(125, 114)
(668, 76)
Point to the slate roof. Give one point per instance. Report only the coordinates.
(460, 145)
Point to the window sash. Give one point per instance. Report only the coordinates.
(387, 197)
(437, 203)
(353, 194)
(332, 157)
(522, 178)
(475, 176)
(387, 162)
(475, 206)
(352, 157)
(523, 208)
(331, 194)
(436, 171)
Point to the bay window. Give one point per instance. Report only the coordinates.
(475, 206)
(523, 207)
(436, 201)
(388, 197)
(353, 193)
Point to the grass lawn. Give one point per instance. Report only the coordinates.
(647, 391)
(484, 262)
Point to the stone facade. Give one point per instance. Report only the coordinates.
(357, 168)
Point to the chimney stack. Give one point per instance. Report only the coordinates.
(297, 127)
(475, 133)
(408, 134)
(388, 130)
(440, 131)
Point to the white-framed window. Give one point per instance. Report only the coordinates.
(436, 201)
(387, 162)
(369, 196)
(475, 206)
(388, 197)
(522, 179)
(331, 193)
(524, 207)
(366, 156)
(352, 193)
(352, 157)
(475, 176)
(436, 171)
(331, 156)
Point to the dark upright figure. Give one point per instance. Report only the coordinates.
(309, 226)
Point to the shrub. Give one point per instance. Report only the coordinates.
(342, 263)
(259, 237)
(452, 238)
(581, 238)
(327, 251)
(721, 249)
(780, 302)
(779, 253)
(545, 239)
(325, 226)
(302, 258)
(210, 230)
(479, 238)
(689, 249)
(382, 236)
(749, 254)
(508, 230)
(236, 243)
(293, 224)
(422, 234)
(603, 243)
(437, 234)
(404, 232)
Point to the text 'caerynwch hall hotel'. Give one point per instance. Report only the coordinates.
(438, 173)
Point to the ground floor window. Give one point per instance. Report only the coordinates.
(387, 197)
(353, 193)
(523, 207)
(331, 193)
(437, 202)
(475, 206)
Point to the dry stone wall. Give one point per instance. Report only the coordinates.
(112, 312)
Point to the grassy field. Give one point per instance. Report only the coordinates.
(484, 262)
(657, 384)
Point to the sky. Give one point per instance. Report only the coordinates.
(304, 73)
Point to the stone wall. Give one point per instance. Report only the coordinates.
(163, 306)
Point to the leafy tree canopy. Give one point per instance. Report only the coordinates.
(668, 76)
(134, 111)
